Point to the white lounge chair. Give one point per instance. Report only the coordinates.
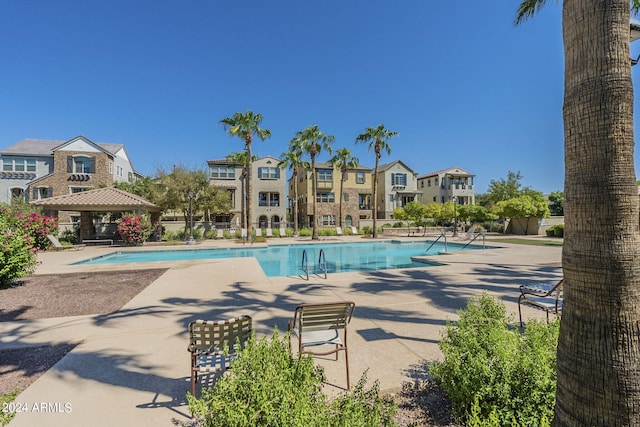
(60, 247)
(283, 232)
(269, 232)
(339, 231)
(354, 230)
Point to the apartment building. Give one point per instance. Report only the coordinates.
(268, 191)
(397, 186)
(443, 185)
(34, 169)
(356, 196)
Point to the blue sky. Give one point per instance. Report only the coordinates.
(459, 82)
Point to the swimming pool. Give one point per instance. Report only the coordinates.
(285, 260)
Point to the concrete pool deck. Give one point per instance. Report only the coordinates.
(132, 367)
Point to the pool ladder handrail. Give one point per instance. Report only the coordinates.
(482, 233)
(443, 234)
(322, 263)
(305, 263)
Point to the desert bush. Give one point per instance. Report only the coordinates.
(267, 386)
(226, 234)
(211, 234)
(288, 232)
(510, 375)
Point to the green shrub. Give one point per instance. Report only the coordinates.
(510, 375)
(289, 232)
(70, 235)
(305, 232)
(268, 387)
(556, 230)
(17, 254)
(211, 234)
(226, 234)
(327, 232)
(397, 224)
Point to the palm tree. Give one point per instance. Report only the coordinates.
(240, 158)
(293, 160)
(598, 380)
(311, 141)
(245, 126)
(343, 161)
(377, 139)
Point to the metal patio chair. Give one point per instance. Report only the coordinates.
(319, 325)
(542, 296)
(208, 340)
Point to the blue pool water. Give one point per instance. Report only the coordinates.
(285, 260)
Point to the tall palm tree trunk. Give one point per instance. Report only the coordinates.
(375, 198)
(314, 236)
(599, 346)
(340, 203)
(249, 188)
(295, 202)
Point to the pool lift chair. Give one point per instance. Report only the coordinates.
(320, 325)
(541, 296)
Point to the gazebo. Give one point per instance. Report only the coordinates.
(108, 199)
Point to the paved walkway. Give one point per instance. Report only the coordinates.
(132, 367)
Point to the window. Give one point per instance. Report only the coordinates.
(421, 184)
(325, 198)
(18, 164)
(399, 179)
(325, 175)
(268, 173)
(222, 172)
(364, 201)
(268, 199)
(73, 190)
(119, 170)
(130, 176)
(110, 167)
(81, 165)
(40, 193)
(345, 197)
(360, 177)
(328, 220)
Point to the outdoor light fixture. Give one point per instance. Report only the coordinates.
(455, 216)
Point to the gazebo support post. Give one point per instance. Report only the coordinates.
(87, 232)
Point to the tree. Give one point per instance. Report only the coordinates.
(556, 203)
(293, 160)
(240, 158)
(311, 141)
(598, 375)
(505, 189)
(245, 126)
(184, 185)
(377, 138)
(145, 187)
(412, 212)
(474, 213)
(344, 161)
(523, 207)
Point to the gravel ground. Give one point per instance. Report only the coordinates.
(44, 296)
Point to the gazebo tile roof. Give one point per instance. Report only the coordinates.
(107, 198)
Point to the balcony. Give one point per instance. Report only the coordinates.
(365, 207)
(324, 185)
